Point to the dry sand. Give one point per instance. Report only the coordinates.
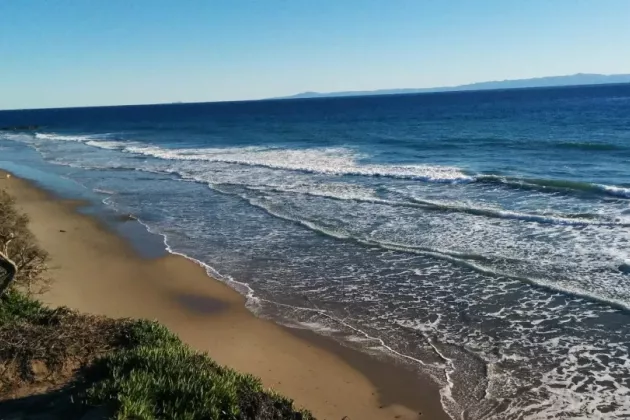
(96, 271)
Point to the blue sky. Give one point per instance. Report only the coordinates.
(73, 53)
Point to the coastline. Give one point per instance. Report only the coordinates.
(97, 271)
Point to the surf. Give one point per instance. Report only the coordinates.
(340, 161)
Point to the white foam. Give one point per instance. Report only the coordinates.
(109, 145)
(329, 161)
(59, 137)
(18, 137)
(614, 190)
(342, 191)
(318, 327)
(103, 191)
(510, 214)
(475, 258)
(450, 238)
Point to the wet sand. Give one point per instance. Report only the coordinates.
(96, 271)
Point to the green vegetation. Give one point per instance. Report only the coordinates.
(127, 369)
(160, 377)
(22, 261)
(16, 306)
(61, 364)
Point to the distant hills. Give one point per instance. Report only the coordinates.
(571, 80)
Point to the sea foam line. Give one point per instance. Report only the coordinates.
(415, 202)
(339, 161)
(253, 301)
(454, 257)
(329, 161)
(215, 274)
(616, 303)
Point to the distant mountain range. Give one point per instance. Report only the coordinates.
(571, 80)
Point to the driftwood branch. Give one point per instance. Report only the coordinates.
(9, 270)
(22, 261)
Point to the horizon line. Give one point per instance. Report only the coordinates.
(358, 93)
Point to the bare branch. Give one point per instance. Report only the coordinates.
(22, 261)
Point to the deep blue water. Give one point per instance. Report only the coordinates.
(481, 237)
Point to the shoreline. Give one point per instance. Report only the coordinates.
(96, 270)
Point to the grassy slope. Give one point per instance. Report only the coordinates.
(129, 368)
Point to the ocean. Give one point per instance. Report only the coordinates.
(481, 238)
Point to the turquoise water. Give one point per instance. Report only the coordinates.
(481, 237)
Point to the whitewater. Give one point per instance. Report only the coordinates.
(485, 248)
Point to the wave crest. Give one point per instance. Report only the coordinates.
(337, 161)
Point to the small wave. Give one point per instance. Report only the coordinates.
(613, 190)
(103, 191)
(581, 219)
(326, 161)
(95, 140)
(17, 137)
(59, 137)
(556, 185)
(253, 303)
(334, 161)
(476, 262)
(340, 161)
(109, 145)
(343, 161)
(588, 146)
(241, 287)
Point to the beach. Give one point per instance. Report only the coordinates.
(433, 236)
(96, 271)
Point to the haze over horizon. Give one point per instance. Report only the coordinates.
(579, 79)
(67, 53)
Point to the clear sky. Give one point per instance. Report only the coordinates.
(81, 52)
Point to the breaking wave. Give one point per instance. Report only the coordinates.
(339, 161)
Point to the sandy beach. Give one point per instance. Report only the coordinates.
(96, 271)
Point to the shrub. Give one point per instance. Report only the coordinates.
(22, 261)
(134, 369)
(160, 377)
